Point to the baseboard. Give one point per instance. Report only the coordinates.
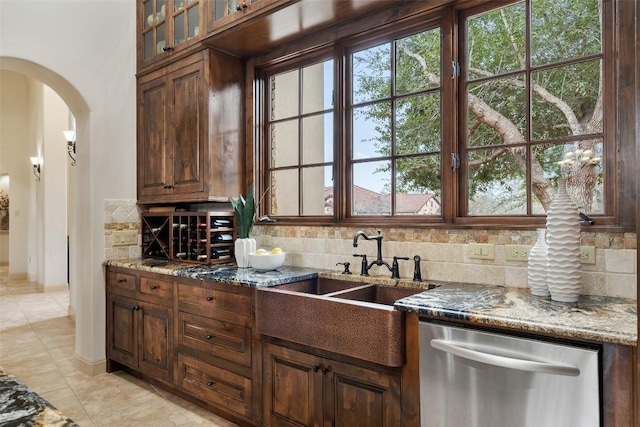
(89, 368)
(52, 288)
(17, 276)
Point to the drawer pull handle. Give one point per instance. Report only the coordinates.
(210, 383)
(122, 280)
(209, 298)
(154, 287)
(209, 337)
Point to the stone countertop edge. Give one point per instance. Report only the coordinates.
(592, 318)
(226, 273)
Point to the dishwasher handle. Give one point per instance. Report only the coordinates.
(506, 362)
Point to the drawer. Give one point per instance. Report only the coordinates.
(215, 385)
(216, 337)
(210, 299)
(123, 281)
(159, 288)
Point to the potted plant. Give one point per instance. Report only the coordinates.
(245, 211)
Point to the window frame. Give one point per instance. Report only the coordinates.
(451, 20)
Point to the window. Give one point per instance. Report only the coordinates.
(300, 140)
(404, 125)
(395, 118)
(534, 92)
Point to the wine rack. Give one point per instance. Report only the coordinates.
(199, 237)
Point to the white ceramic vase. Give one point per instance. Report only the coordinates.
(537, 267)
(242, 249)
(563, 253)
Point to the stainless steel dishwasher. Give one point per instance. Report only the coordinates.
(472, 378)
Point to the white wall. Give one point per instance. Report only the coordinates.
(15, 150)
(85, 51)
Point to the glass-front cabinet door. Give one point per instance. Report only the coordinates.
(224, 8)
(168, 25)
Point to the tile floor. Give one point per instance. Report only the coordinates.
(36, 346)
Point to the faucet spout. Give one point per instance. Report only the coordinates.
(378, 238)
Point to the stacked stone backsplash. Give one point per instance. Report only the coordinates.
(445, 254)
(121, 215)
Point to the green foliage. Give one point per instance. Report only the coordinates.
(245, 211)
(561, 30)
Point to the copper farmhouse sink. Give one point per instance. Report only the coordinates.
(349, 318)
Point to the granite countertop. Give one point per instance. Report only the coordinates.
(227, 273)
(592, 318)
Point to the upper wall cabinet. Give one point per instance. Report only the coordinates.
(166, 27)
(190, 130)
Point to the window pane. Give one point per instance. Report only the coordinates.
(284, 143)
(178, 29)
(418, 187)
(160, 38)
(370, 193)
(496, 41)
(317, 87)
(564, 30)
(497, 112)
(497, 185)
(564, 100)
(317, 139)
(284, 95)
(284, 200)
(371, 131)
(585, 175)
(315, 190)
(371, 74)
(418, 124)
(418, 62)
(194, 21)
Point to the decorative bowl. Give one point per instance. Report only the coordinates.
(266, 261)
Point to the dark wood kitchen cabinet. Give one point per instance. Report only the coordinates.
(140, 324)
(303, 389)
(167, 27)
(190, 130)
(218, 350)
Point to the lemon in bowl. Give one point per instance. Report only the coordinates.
(264, 260)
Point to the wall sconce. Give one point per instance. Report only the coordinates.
(36, 167)
(70, 136)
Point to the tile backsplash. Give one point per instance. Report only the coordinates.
(445, 254)
(121, 215)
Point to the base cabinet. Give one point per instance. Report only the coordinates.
(302, 389)
(140, 335)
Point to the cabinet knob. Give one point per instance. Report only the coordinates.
(166, 48)
(135, 308)
(154, 287)
(325, 370)
(244, 5)
(209, 298)
(210, 383)
(315, 368)
(209, 337)
(122, 280)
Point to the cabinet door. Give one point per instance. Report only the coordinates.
(358, 397)
(292, 388)
(121, 330)
(155, 341)
(186, 112)
(153, 178)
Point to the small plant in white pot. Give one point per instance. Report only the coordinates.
(245, 211)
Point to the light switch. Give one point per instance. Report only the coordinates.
(124, 237)
(481, 251)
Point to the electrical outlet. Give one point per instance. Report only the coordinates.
(124, 237)
(587, 254)
(517, 252)
(481, 251)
